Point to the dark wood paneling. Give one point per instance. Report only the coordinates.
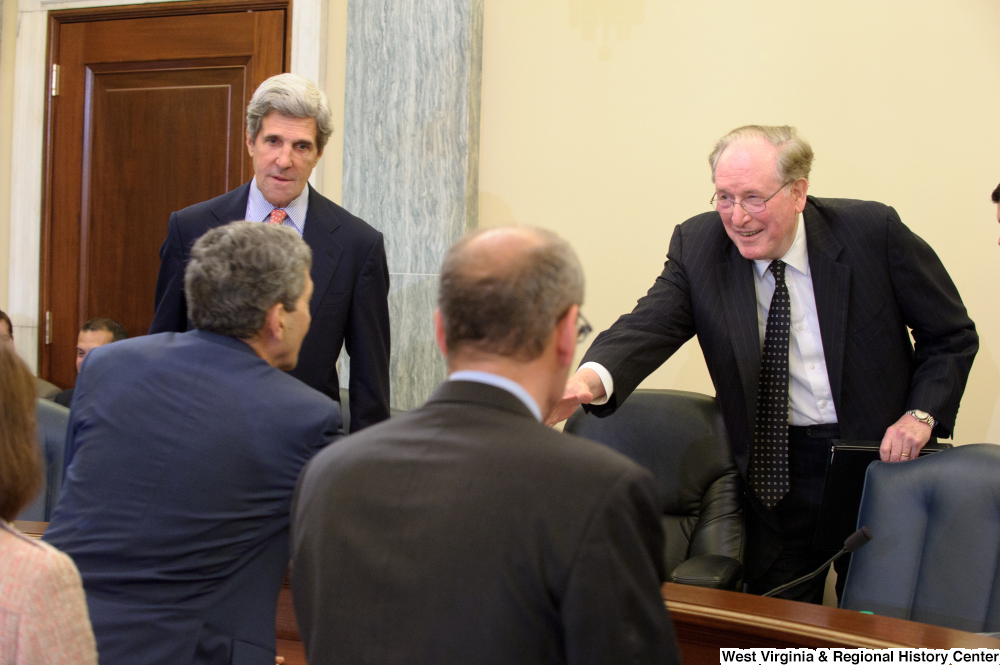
(707, 619)
(122, 225)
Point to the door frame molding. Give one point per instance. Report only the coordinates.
(31, 81)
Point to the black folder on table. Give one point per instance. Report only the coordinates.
(845, 479)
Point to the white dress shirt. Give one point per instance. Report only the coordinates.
(810, 397)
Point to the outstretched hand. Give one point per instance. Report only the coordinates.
(581, 388)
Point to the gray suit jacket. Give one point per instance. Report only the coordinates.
(873, 279)
(467, 532)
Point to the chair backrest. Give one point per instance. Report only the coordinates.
(681, 438)
(935, 551)
(53, 421)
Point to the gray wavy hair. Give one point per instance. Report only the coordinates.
(239, 271)
(508, 310)
(795, 155)
(292, 96)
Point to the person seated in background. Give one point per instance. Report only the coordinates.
(468, 532)
(43, 388)
(43, 614)
(183, 451)
(94, 333)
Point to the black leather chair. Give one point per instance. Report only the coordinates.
(680, 437)
(52, 423)
(935, 552)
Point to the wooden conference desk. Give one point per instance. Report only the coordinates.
(706, 619)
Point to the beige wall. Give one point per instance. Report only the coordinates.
(598, 116)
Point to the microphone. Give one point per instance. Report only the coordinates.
(854, 542)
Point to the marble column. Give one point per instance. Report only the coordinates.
(411, 157)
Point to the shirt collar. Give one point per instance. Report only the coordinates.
(502, 382)
(258, 208)
(796, 257)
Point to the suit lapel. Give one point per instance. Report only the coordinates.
(832, 289)
(233, 206)
(319, 235)
(739, 302)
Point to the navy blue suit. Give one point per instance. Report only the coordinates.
(183, 451)
(349, 305)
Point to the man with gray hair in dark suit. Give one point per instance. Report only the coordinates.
(466, 531)
(803, 308)
(288, 125)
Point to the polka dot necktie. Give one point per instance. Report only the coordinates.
(769, 458)
(277, 217)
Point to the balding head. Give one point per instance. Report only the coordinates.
(503, 291)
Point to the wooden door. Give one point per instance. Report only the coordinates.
(148, 118)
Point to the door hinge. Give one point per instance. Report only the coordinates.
(48, 327)
(55, 81)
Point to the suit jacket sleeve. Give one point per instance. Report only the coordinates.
(945, 339)
(367, 340)
(170, 303)
(639, 342)
(612, 610)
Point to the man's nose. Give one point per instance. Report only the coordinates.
(284, 159)
(740, 216)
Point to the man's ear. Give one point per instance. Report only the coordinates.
(274, 323)
(566, 336)
(249, 144)
(799, 189)
(439, 333)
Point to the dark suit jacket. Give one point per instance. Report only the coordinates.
(873, 279)
(467, 532)
(183, 453)
(349, 306)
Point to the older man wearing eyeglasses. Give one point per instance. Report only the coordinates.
(802, 307)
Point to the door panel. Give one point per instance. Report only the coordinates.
(130, 110)
(149, 119)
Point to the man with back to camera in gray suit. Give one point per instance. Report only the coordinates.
(848, 280)
(182, 455)
(288, 125)
(466, 531)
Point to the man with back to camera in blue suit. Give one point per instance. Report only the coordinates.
(183, 451)
(288, 125)
(855, 280)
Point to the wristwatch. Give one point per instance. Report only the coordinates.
(923, 417)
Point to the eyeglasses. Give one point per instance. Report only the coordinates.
(583, 328)
(752, 204)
